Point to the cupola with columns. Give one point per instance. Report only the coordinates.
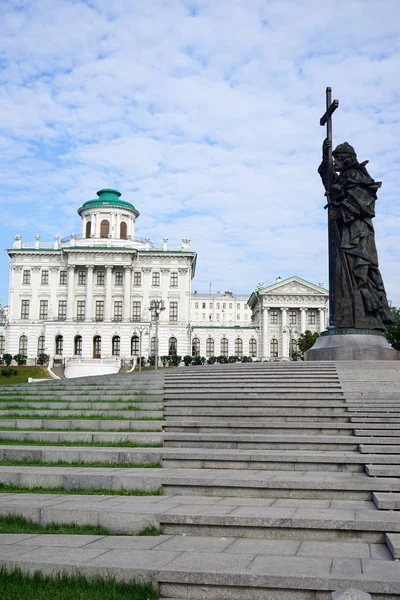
(108, 216)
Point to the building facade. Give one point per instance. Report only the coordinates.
(285, 310)
(88, 295)
(85, 299)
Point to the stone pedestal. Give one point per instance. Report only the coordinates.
(351, 344)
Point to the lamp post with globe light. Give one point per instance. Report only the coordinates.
(156, 307)
(291, 329)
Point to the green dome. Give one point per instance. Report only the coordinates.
(108, 197)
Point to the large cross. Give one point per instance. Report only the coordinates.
(327, 119)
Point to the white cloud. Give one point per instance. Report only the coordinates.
(206, 116)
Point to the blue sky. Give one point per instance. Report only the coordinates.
(205, 115)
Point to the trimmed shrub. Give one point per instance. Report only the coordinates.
(43, 359)
(175, 359)
(187, 359)
(7, 372)
(7, 359)
(211, 360)
(20, 359)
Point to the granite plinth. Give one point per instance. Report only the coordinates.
(351, 345)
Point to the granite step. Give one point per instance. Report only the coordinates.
(386, 501)
(252, 518)
(77, 406)
(206, 482)
(289, 441)
(195, 458)
(393, 544)
(83, 436)
(380, 449)
(208, 569)
(235, 393)
(122, 414)
(248, 412)
(259, 427)
(382, 470)
(82, 424)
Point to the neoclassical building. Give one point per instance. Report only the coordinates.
(87, 296)
(283, 311)
(85, 300)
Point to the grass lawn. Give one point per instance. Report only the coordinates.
(22, 374)
(23, 586)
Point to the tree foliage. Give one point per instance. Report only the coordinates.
(392, 332)
(306, 341)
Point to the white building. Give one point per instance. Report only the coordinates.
(285, 310)
(221, 324)
(85, 300)
(87, 296)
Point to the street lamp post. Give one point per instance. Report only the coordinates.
(290, 329)
(156, 306)
(141, 330)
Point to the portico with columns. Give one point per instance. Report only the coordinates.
(285, 310)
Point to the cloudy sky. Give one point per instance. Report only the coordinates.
(205, 115)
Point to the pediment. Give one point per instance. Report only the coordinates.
(294, 286)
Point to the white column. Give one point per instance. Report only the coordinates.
(284, 337)
(303, 314)
(321, 320)
(265, 342)
(108, 307)
(127, 294)
(89, 294)
(70, 292)
(117, 225)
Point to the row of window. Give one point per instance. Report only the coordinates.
(219, 304)
(293, 316)
(105, 229)
(100, 278)
(99, 310)
(115, 345)
(224, 349)
(135, 349)
(217, 317)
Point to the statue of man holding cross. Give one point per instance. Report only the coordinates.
(357, 297)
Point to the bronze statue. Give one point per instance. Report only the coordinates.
(357, 297)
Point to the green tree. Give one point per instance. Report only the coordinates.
(305, 341)
(392, 332)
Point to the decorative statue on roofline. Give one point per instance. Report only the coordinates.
(357, 297)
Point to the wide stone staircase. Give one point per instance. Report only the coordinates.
(278, 480)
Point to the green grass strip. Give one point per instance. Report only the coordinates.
(78, 444)
(37, 586)
(79, 429)
(96, 417)
(18, 524)
(11, 462)
(10, 488)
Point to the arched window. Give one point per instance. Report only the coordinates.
(88, 229)
(274, 348)
(195, 347)
(123, 230)
(239, 347)
(135, 345)
(172, 346)
(210, 347)
(252, 347)
(153, 345)
(224, 347)
(104, 228)
(23, 345)
(97, 346)
(41, 345)
(2, 344)
(78, 345)
(116, 345)
(59, 344)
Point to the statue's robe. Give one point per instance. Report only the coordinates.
(357, 294)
